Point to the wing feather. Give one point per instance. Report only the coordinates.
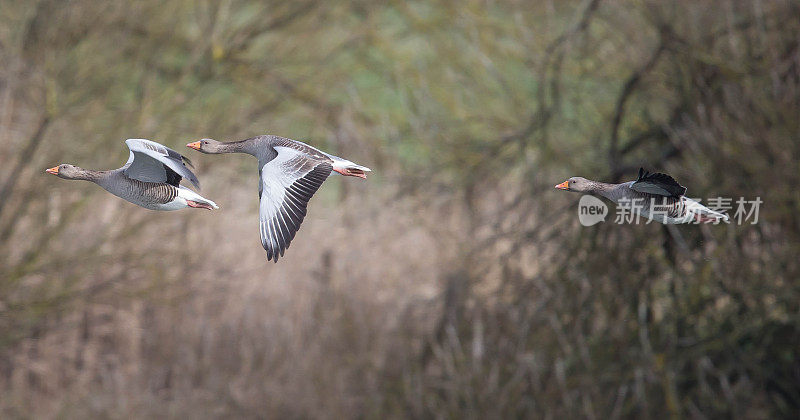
(657, 183)
(287, 184)
(153, 162)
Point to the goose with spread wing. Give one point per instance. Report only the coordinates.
(289, 172)
(150, 178)
(652, 195)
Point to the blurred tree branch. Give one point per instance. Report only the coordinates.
(14, 175)
(627, 90)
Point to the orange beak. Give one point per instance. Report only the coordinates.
(53, 170)
(194, 145)
(563, 186)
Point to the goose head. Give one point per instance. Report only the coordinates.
(66, 171)
(206, 146)
(577, 184)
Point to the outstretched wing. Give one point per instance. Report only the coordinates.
(287, 183)
(153, 162)
(658, 183)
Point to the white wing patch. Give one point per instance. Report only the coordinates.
(287, 183)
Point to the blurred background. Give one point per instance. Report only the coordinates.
(455, 281)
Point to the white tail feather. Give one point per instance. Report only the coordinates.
(345, 167)
(697, 208)
(346, 164)
(188, 194)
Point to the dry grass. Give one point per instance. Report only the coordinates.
(230, 333)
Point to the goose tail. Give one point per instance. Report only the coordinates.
(194, 199)
(347, 168)
(703, 213)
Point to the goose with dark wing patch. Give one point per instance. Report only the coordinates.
(652, 195)
(150, 178)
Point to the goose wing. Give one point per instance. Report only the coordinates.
(657, 183)
(287, 183)
(153, 162)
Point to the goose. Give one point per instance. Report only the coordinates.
(653, 195)
(289, 173)
(150, 178)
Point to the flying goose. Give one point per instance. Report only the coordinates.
(290, 172)
(653, 195)
(150, 178)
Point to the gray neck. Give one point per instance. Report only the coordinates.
(602, 189)
(89, 175)
(249, 146)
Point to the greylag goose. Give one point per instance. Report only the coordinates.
(290, 172)
(150, 178)
(652, 195)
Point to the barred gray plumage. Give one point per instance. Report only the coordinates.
(150, 192)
